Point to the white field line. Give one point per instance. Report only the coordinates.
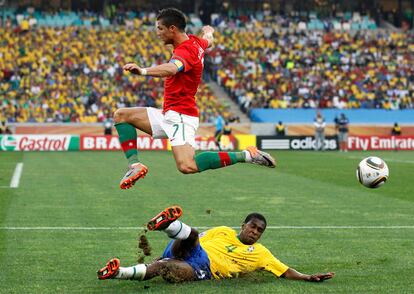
(386, 159)
(16, 175)
(206, 228)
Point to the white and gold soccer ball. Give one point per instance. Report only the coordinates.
(372, 172)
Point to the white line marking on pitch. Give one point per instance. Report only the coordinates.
(16, 175)
(206, 228)
(386, 159)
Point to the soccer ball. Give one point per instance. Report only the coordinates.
(372, 172)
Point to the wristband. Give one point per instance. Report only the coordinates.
(143, 72)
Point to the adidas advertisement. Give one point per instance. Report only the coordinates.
(38, 142)
(294, 142)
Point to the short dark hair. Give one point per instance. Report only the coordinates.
(256, 216)
(172, 17)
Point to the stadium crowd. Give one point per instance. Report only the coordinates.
(75, 74)
(273, 68)
(295, 20)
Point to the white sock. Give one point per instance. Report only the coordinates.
(248, 156)
(178, 230)
(136, 272)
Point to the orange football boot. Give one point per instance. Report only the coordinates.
(164, 218)
(135, 172)
(110, 270)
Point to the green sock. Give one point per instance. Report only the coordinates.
(213, 160)
(128, 139)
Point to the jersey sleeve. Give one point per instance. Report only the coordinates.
(203, 43)
(184, 56)
(272, 264)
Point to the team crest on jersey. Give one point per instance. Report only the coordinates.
(250, 248)
(201, 234)
(230, 248)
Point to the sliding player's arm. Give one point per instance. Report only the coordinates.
(293, 274)
(208, 34)
(162, 70)
(275, 266)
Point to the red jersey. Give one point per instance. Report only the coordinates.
(181, 88)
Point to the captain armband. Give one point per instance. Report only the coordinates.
(178, 63)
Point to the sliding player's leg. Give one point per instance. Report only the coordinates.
(185, 246)
(183, 259)
(171, 270)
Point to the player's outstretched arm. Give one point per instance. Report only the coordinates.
(162, 70)
(292, 274)
(208, 34)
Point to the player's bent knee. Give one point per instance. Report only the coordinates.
(120, 115)
(187, 168)
(193, 237)
(176, 272)
(194, 234)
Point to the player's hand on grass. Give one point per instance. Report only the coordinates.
(321, 277)
(133, 68)
(293, 274)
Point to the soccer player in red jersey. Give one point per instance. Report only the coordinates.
(178, 120)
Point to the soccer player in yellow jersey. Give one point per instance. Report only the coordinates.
(217, 253)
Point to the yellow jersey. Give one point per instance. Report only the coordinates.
(229, 257)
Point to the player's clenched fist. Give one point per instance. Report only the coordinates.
(133, 68)
(207, 30)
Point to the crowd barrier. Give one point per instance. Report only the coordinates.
(97, 142)
(363, 143)
(39, 142)
(236, 142)
(294, 142)
(355, 116)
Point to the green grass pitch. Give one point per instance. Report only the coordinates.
(68, 217)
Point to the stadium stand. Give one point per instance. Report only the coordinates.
(346, 21)
(66, 66)
(49, 74)
(315, 69)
